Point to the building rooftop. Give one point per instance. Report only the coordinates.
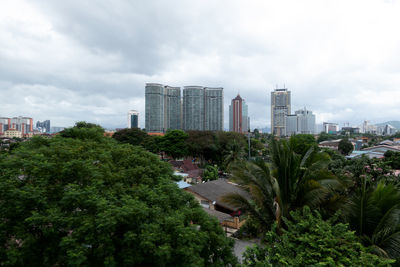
(215, 190)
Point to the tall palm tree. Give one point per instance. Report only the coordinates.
(289, 182)
(374, 213)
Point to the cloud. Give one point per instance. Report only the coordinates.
(89, 60)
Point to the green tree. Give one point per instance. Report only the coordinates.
(210, 173)
(374, 213)
(133, 136)
(202, 144)
(173, 143)
(84, 130)
(311, 241)
(87, 200)
(345, 146)
(289, 183)
(301, 143)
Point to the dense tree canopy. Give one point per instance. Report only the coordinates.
(133, 136)
(311, 241)
(345, 146)
(82, 199)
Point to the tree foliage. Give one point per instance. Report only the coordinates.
(133, 136)
(173, 143)
(210, 173)
(311, 241)
(345, 146)
(82, 199)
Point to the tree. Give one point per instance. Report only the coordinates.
(133, 136)
(374, 213)
(202, 144)
(87, 200)
(301, 143)
(345, 146)
(173, 143)
(289, 183)
(210, 173)
(311, 241)
(84, 130)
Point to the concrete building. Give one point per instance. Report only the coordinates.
(214, 109)
(43, 127)
(331, 128)
(280, 107)
(238, 118)
(21, 124)
(203, 108)
(305, 121)
(133, 119)
(10, 133)
(163, 108)
(302, 122)
(193, 108)
(172, 108)
(154, 105)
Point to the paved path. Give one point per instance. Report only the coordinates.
(240, 248)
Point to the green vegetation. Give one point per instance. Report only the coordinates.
(210, 173)
(83, 199)
(345, 146)
(308, 240)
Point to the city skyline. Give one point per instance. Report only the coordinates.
(62, 63)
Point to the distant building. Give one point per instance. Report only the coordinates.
(193, 108)
(302, 122)
(10, 133)
(43, 127)
(163, 108)
(133, 119)
(330, 128)
(214, 109)
(238, 118)
(280, 107)
(21, 124)
(350, 130)
(154, 102)
(203, 108)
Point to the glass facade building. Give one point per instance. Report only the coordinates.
(133, 119)
(154, 102)
(193, 108)
(214, 109)
(172, 108)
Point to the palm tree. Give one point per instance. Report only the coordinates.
(288, 183)
(374, 213)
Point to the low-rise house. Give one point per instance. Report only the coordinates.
(210, 196)
(332, 144)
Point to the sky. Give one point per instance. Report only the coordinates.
(76, 60)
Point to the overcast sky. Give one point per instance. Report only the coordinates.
(89, 60)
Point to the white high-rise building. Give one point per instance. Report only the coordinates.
(280, 107)
(302, 122)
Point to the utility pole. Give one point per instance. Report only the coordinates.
(248, 134)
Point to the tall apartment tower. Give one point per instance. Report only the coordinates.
(43, 126)
(193, 108)
(238, 117)
(203, 108)
(163, 108)
(172, 108)
(133, 119)
(214, 109)
(154, 102)
(302, 122)
(280, 107)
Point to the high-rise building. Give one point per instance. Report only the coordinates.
(280, 107)
(44, 126)
(214, 109)
(302, 122)
(172, 108)
(193, 108)
(305, 121)
(20, 124)
(238, 118)
(154, 102)
(163, 107)
(133, 119)
(203, 108)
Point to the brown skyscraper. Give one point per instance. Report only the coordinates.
(239, 122)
